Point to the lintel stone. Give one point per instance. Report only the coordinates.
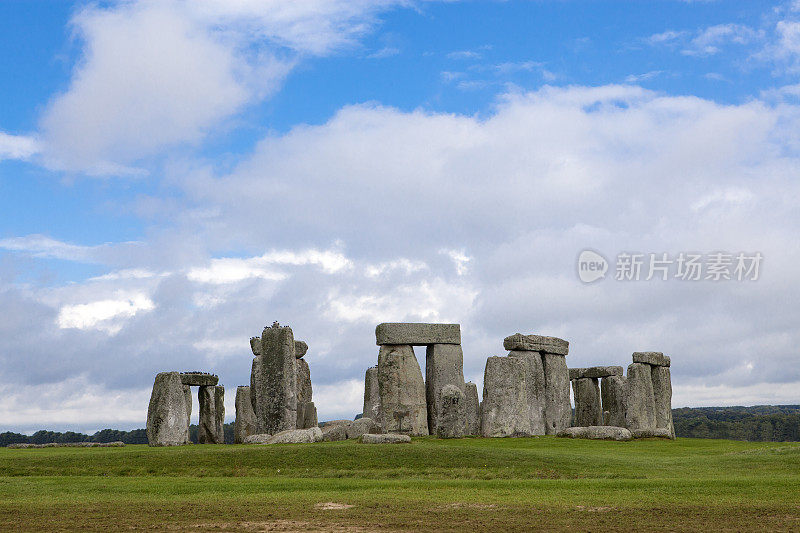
(199, 379)
(417, 334)
(595, 372)
(536, 343)
(651, 358)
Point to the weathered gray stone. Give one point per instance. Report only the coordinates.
(587, 402)
(198, 379)
(245, 424)
(651, 358)
(417, 334)
(362, 426)
(300, 349)
(212, 415)
(255, 345)
(309, 419)
(444, 365)
(596, 432)
(640, 410)
(338, 422)
(451, 416)
(504, 412)
(273, 381)
(384, 438)
(167, 419)
(304, 393)
(335, 432)
(535, 388)
(258, 438)
(297, 436)
(662, 397)
(557, 409)
(612, 392)
(536, 343)
(659, 433)
(187, 394)
(473, 409)
(595, 372)
(402, 391)
(372, 395)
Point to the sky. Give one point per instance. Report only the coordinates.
(175, 175)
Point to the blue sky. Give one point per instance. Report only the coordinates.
(175, 175)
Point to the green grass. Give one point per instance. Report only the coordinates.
(482, 484)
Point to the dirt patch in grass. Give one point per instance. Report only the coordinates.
(332, 506)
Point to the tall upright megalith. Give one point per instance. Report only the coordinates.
(402, 391)
(210, 429)
(273, 381)
(451, 416)
(245, 424)
(640, 409)
(306, 411)
(505, 412)
(535, 385)
(587, 402)
(557, 409)
(444, 365)
(167, 416)
(472, 409)
(612, 393)
(372, 396)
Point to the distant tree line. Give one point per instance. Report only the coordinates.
(775, 423)
(136, 436)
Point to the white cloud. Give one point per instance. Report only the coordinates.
(17, 146)
(710, 40)
(104, 315)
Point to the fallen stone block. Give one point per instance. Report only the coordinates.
(536, 343)
(384, 438)
(651, 358)
(595, 372)
(335, 432)
(258, 438)
(362, 426)
(199, 379)
(297, 436)
(596, 432)
(660, 433)
(404, 408)
(300, 349)
(417, 334)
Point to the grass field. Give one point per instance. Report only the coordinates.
(469, 484)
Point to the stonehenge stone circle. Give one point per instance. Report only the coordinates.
(451, 415)
(597, 432)
(273, 381)
(639, 400)
(612, 393)
(167, 418)
(384, 438)
(535, 385)
(212, 414)
(651, 358)
(536, 343)
(245, 424)
(417, 334)
(662, 396)
(557, 409)
(444, 365)
(404, 408)
(372, 395)
(472, 408)
(504, 412)
(587, 402)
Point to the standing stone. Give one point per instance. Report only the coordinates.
(212, 414)
(587, 402)
(535, 384)
(372, 396)
(662, 396)
(452, 412)
(557, 409)
(309, 416)
(167, 418)
(304, 391)
(504, 412)
(187, 394)
(273, 381)
(472, 409)
(444, 365)
(402, 391)
(612, 391)
(640, 409)
(245, 424)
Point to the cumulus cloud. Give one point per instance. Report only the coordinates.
(17, 146)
